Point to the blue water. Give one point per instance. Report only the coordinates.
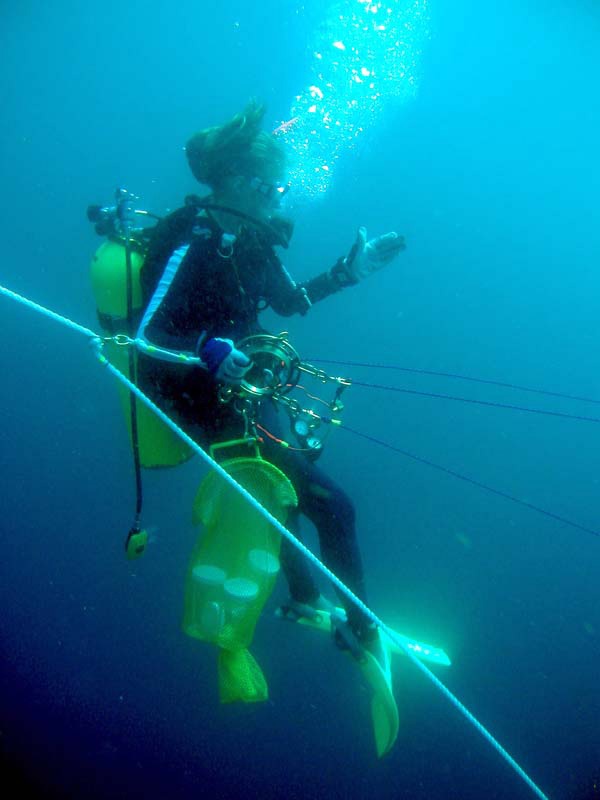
(491, 173)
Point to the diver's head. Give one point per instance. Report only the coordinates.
(243, 165)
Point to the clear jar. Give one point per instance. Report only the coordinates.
(263, 563)
(207, 600)
(239, 595)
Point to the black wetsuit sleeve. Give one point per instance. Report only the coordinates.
(329, 282)
(286, 297)
(290, 298)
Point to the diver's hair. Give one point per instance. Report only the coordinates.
(239, 147)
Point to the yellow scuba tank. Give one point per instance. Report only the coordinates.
(158, 445)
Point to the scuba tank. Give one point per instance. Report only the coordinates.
(158, 445)
(115, 278)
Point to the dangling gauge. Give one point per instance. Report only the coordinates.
(275, 365)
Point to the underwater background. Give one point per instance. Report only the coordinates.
(487, 162)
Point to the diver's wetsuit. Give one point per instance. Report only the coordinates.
(200, 283)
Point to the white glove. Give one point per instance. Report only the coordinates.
(369, 256)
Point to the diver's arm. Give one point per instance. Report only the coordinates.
(286, 297)
(329, 282)
(364, 258)
(157, 336)
(298, 298)
(290, 298)
(172, 331)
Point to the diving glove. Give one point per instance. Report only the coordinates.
(369, 256)
(224, 360)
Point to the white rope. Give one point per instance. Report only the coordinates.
(97, 344)
(322, 568)
(46, 312)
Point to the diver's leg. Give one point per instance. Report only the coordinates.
(303, 588)
(301, 583)
(332, 513)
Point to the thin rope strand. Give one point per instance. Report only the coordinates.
(475, 402)
(472, 481)
(456, 376)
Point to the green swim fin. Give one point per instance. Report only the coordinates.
(377, 673)
(384, 711)
(321, 620)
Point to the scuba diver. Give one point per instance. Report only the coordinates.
(210, 269)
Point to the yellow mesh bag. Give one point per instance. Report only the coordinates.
(240, 677)
(233, 568)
